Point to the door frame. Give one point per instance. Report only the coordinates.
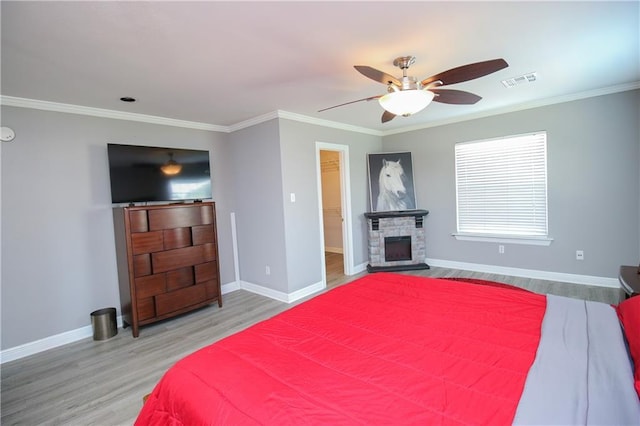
(345, 194)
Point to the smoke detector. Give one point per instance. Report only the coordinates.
(521, 79)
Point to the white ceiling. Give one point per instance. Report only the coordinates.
(223, 63)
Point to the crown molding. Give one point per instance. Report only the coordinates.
(328, 123)
(521, 107)
(253, 121)
(303, 119)
(107, 113)
(120, 115)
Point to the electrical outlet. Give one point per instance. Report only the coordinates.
(267, 270)
(501, 249)
(579, 255)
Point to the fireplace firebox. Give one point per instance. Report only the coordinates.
(397, 248)
(396, 240)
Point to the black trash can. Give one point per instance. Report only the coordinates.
(104, 324)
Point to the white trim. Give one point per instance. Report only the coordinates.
(323, 265)
(303, 119)
(520, 107)
(347, 222)
(279, 295)
(327, 123)
(345, 190)
(359, 268)
(51, 342)
(229, 287)
(253, 121)
(528, 273)
(71, 336)
(533, 241)
(107, 113)
(307, 291)
(120, 115)
(234, 243)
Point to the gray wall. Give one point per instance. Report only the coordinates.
(270, 161)
(58, 253)
(593, 185)
(257, 182)
(302, 221)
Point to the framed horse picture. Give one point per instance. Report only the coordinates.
(391, 181)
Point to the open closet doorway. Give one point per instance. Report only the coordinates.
(334, 201)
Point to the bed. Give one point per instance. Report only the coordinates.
(398, 349)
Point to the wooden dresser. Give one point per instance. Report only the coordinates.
(167, 261)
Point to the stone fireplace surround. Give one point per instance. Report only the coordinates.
(388, 227)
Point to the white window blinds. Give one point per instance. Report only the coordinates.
(501, 186)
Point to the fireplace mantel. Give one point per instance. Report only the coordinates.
(396, 240)
(398, 213)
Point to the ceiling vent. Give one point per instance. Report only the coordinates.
(521, 79)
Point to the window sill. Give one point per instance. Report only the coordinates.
(532, 241)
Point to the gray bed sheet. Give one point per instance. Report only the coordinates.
(582, 374)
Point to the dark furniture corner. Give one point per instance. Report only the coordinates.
(630, 279)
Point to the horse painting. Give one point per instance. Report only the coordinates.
(392, 191)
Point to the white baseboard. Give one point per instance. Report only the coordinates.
(360, 268)
(70, 336)
(527, 273)
(229, 287)
(50, 342)
(280, 296)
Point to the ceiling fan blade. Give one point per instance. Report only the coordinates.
(377, 75)
(387, 116)
(455, 97)
(352, 102)
(467, 72)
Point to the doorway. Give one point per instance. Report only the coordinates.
(335, 207)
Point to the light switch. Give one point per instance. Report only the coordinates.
(293, 197)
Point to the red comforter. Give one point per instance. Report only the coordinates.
(384, 349)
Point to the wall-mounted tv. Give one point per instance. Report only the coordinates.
(147, 174)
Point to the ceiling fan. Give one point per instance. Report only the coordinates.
(406, 96)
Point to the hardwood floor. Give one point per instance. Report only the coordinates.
(102, 383)
(335, 276)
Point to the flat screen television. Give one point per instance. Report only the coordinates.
(146, 174)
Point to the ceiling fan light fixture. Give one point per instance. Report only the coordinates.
(171, 167)
(406, 102)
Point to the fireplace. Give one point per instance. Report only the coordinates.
(397, 248)
(396, 240)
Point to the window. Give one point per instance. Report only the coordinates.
(501, 188)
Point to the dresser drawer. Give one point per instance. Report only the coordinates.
(177, 238)
(212, 289)
(206, 271)
(146, 309)
(180, 278)
(209, 252)
(141, 265)
(138, 221)
(179, 299)
(150, 285)
(146, 242)
(202, 234)
(178, 258)
(180, 217)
